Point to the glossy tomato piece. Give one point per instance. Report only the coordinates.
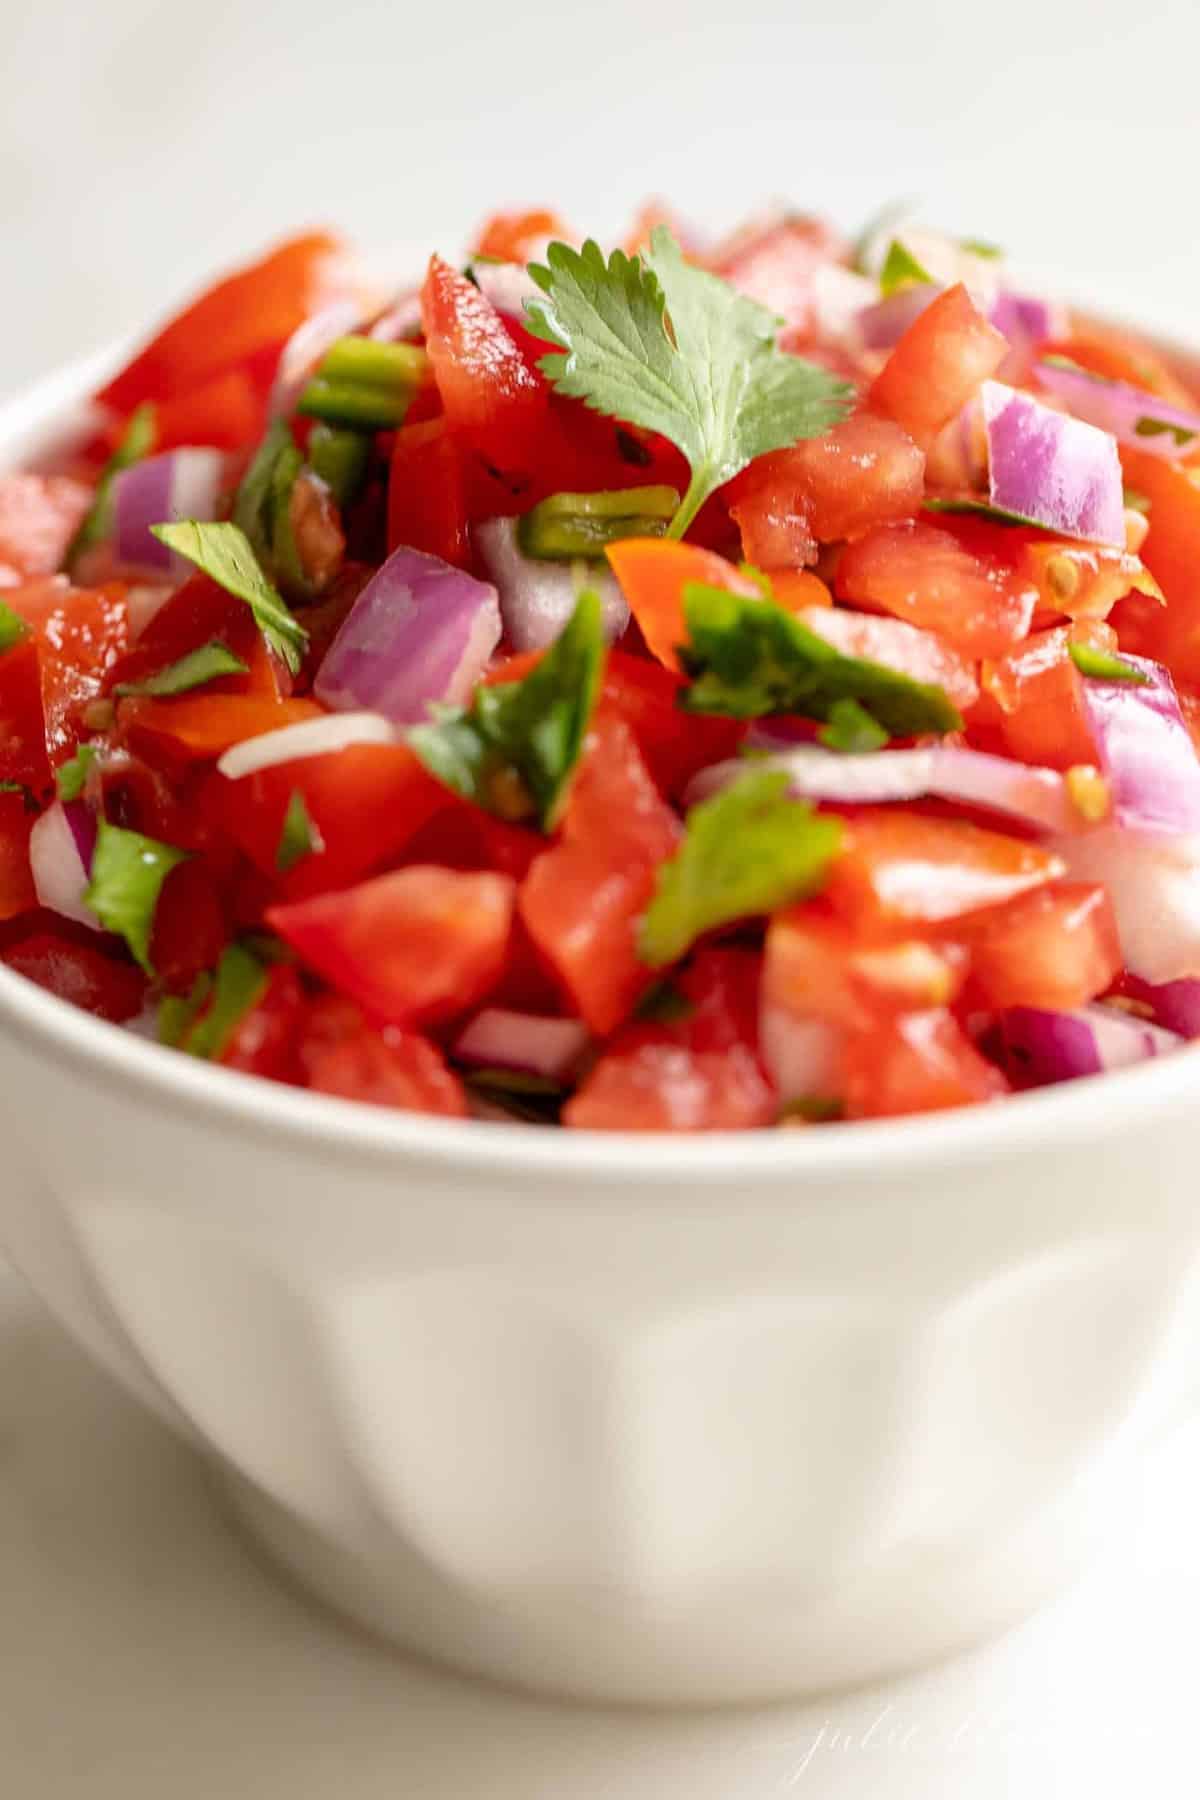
(201, 727)
(419, 944)
(919, 1062)
(1081, 581)
(266, 1039)
(39, 515)
(516, 237)
(898, 868)
(77, 971)
(365, 803)
(81, 633)
(342, 1054)
(865, 472)
(1171, 552)
(228, 411)
(201, 613)
(922, 654)
(583, 899)
(675, 745)
(250, 311)
(1038, 691)
(1055, 948)
(17, 893)
(960, 584)
(190, 926)
(493, 400)
(815, 967)
(652, 574)
(938, 364)
(427, 494)
(22, 724)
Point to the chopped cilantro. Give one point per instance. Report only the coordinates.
(71, 777)
(128, 871)
(177, 1013)
(900, 270)
(299, 837)
(747, 658)
(713, 380)
(194, 670)
(851, 729)
(136, 443)
(981, 247)
(225, 554)
(1102, 665)
(747, 851)
(514, 749)
(12, 628)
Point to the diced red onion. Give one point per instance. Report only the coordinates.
(1026, 319)
(60, 856)
(179, 484)
(1042, 1047)
(401, 320)
(311, 737)
(1060, 472)
(506, 285)
(1146, 751)
(882, 325)
(1174, 1004)
(1133, 416)
(1037, 797)
(1154, 886)
(537, 598)
(420, 632)
(304, 350)
(498, 1039)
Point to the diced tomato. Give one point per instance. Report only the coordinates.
(864, 473)
(795, 589)
(938, 364)
(252, 310)
(266, 1039)
(922, 654)
(1055, 948)
(200, 727)
(81, 633)
(959, 584)
(139, 797)
(365, 802)
(1039, 692)
(78, 972)
(343, 1055)
(17, 893)
(190, 928)
(427, 494)
(897, 869)
(921, 1062)
(22, 725)
(200, 613)
(419, 944)
(583, 899)
(515, 237)
(39, 515)
(1081, 581)
(675, 745)
(775, 262)
(653, 572)
(815, 967)
(493, 401)
(227, 411)
(1171, 552)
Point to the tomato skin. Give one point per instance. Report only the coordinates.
(938, 364)
(17, 892)
(864, 473)
(1054, 948)
(190, 928)
(583, 899)
(898, 868)
(227, 411)
(957, 584)
(922, 654)
(493, 400)
(815, 967)
(200, 727)
(412, 946)
(1038, 690)
(921, 1062)
(652, 574)
(39, 515)
(77, 972)
(427, 494)
(266, 1039)
(515, 237)
(248, 312)
(342, 1054)
(366, 802)
(1171, 552)
(81, 633)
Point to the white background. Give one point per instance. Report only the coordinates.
(141, 146)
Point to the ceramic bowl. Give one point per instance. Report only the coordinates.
(647, 1419)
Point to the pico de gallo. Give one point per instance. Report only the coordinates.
(676, 686)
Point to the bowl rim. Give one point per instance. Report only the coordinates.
(1059, 1117)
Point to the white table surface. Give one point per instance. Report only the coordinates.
(145, 1655)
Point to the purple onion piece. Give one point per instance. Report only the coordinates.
(1025, 319)
(1041, 1047)
(82, 821)
(1058, 472)
(537, 598)
(498, 1039)
(1133, 416)
(1175, 1004)
(1146, 751)
(880, 327)
(421, 632)
(179, 484)
(60, 858)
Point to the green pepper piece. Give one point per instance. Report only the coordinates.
(566, 526)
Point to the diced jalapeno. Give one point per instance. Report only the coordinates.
(566, 526)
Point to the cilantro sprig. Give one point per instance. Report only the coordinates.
(749, 657)
(128, 872)
(195, 669)
(748, 850)
(659, 344)
(514, 749)
(224, 552)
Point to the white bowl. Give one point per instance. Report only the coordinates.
(703, 1419)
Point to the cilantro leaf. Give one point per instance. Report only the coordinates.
(224, 553)
(977, 508)
(237, 985)
(128, 871)
(981, 247)
(513, 751)
(1102, 665)
(71, 776)
(747, 851)
(136, 443)
(177, 1013)
(900, 270)
(713, 380)
(851, 729)
(194, 670)
(750, 657)
(299, 837)
(12, 627)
